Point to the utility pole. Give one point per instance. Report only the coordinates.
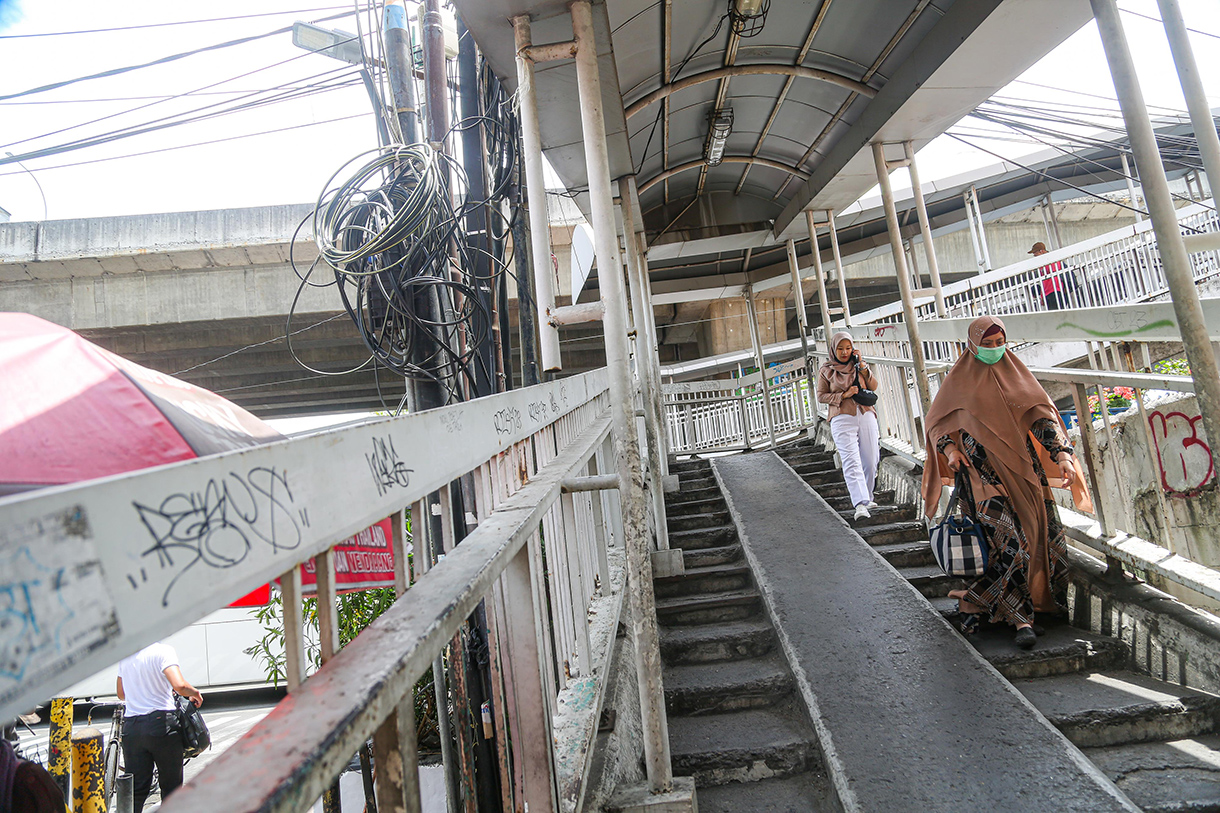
(401, 70)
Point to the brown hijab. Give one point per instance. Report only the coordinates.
(998, 404)
(841, 375)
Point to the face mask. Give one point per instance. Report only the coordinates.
(990, 355)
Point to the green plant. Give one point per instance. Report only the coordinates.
(1174, 366)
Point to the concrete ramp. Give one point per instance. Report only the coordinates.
(908, 715)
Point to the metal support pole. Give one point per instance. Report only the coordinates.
(816, 255)
(1050, 210)
(294, 634)
(756, 339)
(328, 641)
(1139, 215)
(802, 319)
(904, 283)
(978, 213)
(1192, 89)
(631, 494)
(436, 79)
(535, 190)
(88, 771)
(925, 229)
(1084, 419)
(59, 758)
(974, 235)
(643, 364)
(401, 68)
(1174, 258)
(125, 793)
(834, 248)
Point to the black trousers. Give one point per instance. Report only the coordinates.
(148, 740)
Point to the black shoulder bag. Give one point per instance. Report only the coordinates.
(863, 397)
(195, 735)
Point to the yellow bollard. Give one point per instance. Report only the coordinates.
(88, 771)
(60, 759)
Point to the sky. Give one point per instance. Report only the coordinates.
(327, 129)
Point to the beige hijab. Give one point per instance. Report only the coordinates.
(998, 404)
(840, 375)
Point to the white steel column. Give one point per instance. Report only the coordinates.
(1139, 215)
(1192, 89)
(802, 320)
(817, 270)
(756, 340)
(834, 248)
(631, 491)
(535, 190)
(978, 213)
(925, 229)
(904, 282)
(974, 234)
(1174, 258)
(643, 365)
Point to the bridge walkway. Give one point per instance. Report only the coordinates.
(905, 714)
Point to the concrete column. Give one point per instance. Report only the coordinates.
(758, 359)
(535, 192)
(631, 492)
(1175, 260)
(1192, 89)
(925, 229)
(834, 248)
(816, 256)
(904, 281)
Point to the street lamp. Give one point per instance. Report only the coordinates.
(32, 175)
(344, 47)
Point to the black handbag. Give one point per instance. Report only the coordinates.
(863, 397)
(195, 735)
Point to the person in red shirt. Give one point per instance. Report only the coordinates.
(1054, 281)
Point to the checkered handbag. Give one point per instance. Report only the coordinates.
(958, 542)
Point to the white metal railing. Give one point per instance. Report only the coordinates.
(1121, 266)
(108, 566)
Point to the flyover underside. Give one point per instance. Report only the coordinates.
(908, 715)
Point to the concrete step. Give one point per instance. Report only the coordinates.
(706, 557)
(714, 688)
(689, 522)
(803, 456)
(815, 467)
(843, 503)
(716, 537)
(709, 579)
(808, 792)
(1121, 707)
(881, 515)
(832, 490)
(684, 466)
(686, 494)
(710, 643)
(1160, 777)
(712, 608)
(692, 483)
(742, 746)
(1061, 650)
(830, 477)
(891, 533)
(908, 554)
(930, 580)
(681, 507)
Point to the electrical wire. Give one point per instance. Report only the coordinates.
(165, 25)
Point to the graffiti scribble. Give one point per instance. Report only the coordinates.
(1184, 458)
(219, 525)
(388, 471)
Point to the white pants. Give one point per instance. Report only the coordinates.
(858, 440)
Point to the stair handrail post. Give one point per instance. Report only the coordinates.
(635, 526)
(637, 280)
(925, 229)
(535, 193)
(1174, 258)
(904, 281)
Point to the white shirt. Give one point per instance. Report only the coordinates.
(145, 685)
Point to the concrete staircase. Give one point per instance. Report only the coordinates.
(734, 722)
(1159, 742)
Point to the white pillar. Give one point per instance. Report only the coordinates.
(1192, 89)
(834, 248)
(816, 255)
(756, 339)
(925, 229)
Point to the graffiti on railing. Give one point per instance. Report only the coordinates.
(1183, 455)
(1124, 324)
(218, 525)
(387, 469)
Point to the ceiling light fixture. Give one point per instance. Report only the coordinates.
(719, 126)
(748, 16)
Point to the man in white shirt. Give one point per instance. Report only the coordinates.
(151, 736)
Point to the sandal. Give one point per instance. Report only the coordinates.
(968, 623)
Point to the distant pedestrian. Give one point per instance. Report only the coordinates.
(151, 735)
(1054, 280)
(841, 381)
(992, 418)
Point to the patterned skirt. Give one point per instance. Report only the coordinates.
(1003, 590)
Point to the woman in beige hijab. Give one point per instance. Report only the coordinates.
(992, 419)
(853, 426)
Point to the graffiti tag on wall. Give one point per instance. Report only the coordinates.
(1182, 454)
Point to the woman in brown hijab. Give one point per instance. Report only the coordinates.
(993, 419)
(852, 425)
